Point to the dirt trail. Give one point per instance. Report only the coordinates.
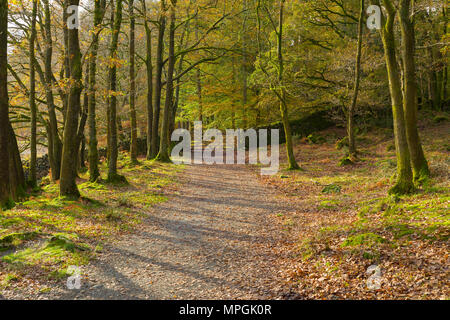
(213, 239)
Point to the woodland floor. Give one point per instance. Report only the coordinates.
(224, 232)
(344, 222)
(212, 239)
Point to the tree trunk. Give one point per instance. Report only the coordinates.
(149, 86)
(16, 174)
(54, 141)
(81, 138)
(5, 193)
(173, 113)
(419, 163)
(198, 79)
(112, 121)
(133, 143)
(83, 153)
(33, 151)
(66, 69)
(157, 82)
(351, 111)
(12, 179)
(163, 144)
(404, 182)
(244, 67)
(99, 12)
(282, 95)
(68, 186)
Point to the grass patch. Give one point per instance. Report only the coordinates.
(332, 188)
(52, 233)
(365, 239)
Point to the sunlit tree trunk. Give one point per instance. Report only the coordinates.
(245, 43)
(68, 186)
(94, 172)
(12, 179)
(33, 151)
(157, 81)
(198, 80)
(16, 174)
(163, 154)
(5, 193)
(54, 141)
(65, 97)
(419, 163)
(404, 182)
(149, 91)
(282, 94)
(149, 67)
(133, 143)
(112, 121)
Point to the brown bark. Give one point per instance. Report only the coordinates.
(112, 119)
(133, 143)
(68, 186)
(94, 172)
(16, 174)
(157, 81)
(5, 194)
(149, 67)
(54, 141)
(351, 111)
(282, 95)
(33, 151)
(419, 163)
(163, 145)
(404, 182)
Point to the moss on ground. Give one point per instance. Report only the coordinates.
(344, 213)
(52, 233)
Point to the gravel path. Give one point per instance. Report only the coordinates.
(213, 239)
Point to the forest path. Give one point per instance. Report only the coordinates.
(213, 239)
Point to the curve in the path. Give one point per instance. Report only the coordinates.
(214, 239)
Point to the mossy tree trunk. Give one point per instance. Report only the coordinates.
(404, 182)
(282, 94)
(410, 102)
(65, 16)
(244, 67)
(163, 154)
(33, 125)
(5, 194)
(149, 66)
(99, 12)
(157, 82)
(132, 48)
(54, 141)
(68, 186)
(16, 175)
(112, 118)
